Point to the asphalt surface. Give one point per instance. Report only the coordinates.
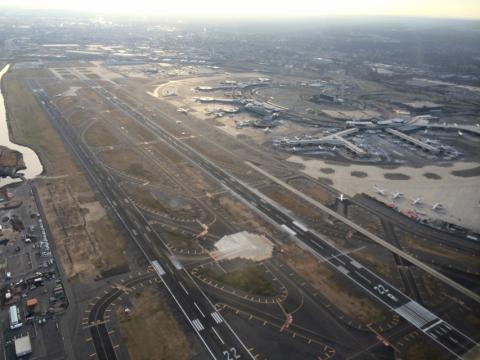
(218, 337)
(98, 329)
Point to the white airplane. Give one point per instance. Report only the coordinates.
(378, 190)
(417, 201)
(341, 197)
(266, 130)
(460, 133)
(397, 195)
(438, 206)
(183, 110)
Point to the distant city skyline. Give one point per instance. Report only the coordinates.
(265, 8)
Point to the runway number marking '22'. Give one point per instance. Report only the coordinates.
(231, 354)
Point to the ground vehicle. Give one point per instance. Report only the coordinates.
(14, 317)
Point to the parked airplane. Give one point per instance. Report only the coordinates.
(378, 190)
(460, 133)
(438, 206)
(342, 197)
(266, 130)
(417, 201)
(397, 195)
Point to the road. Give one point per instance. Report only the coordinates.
(219, 339)
(438, 330)
(98, 329)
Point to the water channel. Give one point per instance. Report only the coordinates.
(32, 162)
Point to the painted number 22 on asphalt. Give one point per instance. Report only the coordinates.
(231, 354)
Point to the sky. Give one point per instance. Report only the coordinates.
(265, 8)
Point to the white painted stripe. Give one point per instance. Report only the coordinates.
(356, 264)
(198, 325)
(183, 287)
(219, 338)
(433, 325)
(198, 308)
(363, 277)
(158, 268)
(288, 230)
(300, 225)
(216, 317)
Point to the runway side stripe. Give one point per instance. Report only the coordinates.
(218, 336)
(198, 308)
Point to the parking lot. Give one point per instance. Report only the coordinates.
(30, 282)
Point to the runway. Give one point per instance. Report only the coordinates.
(218, 336)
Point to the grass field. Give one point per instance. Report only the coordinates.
(130, 162)
(151, 332)
(337, 290)
(82, 245)
(99, 135)
(250, 279)
(415, 245)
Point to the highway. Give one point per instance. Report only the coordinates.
(438, 330)
(218, 338)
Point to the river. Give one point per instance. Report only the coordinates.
(32, 162)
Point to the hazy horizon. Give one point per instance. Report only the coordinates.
(462, 9)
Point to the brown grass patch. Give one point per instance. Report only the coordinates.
(242, 215)
(151, 332)
(83, 248)
(99, 135)
(334, 287)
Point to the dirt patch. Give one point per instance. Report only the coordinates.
(358, 174)
(150, 331)
(432, 176)
(86, 248)
(94, 211)
(396, 176)
(335, 288)
(327, 170)
(467, 172)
